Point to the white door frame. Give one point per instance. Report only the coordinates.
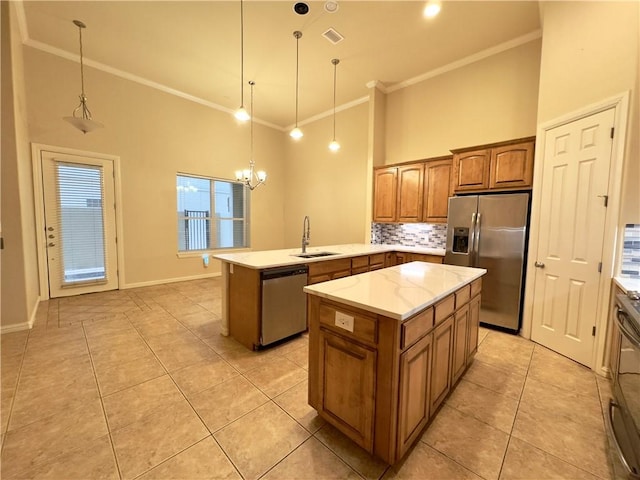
(611, 245)
(38, 192)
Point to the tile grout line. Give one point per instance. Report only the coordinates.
(104, 412)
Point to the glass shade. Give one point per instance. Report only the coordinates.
(84, 124)
(334, 146)
(242, 114)
(432, 9)
(296, 133)
(262, 175)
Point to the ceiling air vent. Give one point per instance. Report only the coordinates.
(333, 36)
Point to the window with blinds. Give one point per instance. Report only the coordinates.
(80, 223)
(212, 214)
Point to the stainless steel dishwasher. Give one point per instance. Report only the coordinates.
(284, 304)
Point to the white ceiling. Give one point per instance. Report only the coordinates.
(193, 47)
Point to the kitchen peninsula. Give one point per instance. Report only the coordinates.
(386, 348)
(243, 276)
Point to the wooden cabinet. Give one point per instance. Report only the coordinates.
(406, 257)
(347, 372)
(385, 188)
(414, 401)
(474, 325)
(499, 166)
(379, 380)
(441, 363)
(437, 190)
(367, 263)
(460, 334)
(415, 192)
(329, 270)
(410, 191)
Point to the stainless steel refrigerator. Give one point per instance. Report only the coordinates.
(490, 231)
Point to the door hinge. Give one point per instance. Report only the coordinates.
(612, 131)
(599, 268)
(593, 331)
(1, 243)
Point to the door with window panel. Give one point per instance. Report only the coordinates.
(80, 226)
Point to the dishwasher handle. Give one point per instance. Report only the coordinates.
(284, 272)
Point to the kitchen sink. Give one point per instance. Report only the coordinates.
(314, 254)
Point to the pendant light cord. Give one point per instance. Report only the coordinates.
(251, 162)
(241, 53)
(81, 61)
(297, 34)
(335, 67)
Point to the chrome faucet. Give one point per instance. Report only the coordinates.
(306, 233)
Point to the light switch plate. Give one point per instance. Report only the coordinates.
(344, 321)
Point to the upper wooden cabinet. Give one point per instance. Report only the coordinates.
(385, 188)
(499, 166)
(410, 181)
(416, 192)
(437, 189)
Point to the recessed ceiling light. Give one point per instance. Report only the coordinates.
(331, 7)
(432, 9)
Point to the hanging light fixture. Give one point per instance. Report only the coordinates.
(242, 114)
(247, 176)
(84, 122)
(296, 133)
(334, 146)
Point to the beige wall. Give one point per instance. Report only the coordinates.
(155, 135)
(491, 100)
(590, 53)
(330, 187)
(19, 283)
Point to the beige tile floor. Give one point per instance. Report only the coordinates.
(140, 384)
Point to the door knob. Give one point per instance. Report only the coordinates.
(539, 265)
(51, 244)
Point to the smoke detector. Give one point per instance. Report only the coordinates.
(333, 36)
(331, 7)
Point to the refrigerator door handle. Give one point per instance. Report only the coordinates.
(472, 256)
(476, 238)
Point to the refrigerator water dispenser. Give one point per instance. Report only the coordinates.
(460, 240)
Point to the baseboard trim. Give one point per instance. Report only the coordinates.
(169, 280)
(18, 327)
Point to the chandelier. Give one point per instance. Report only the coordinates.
(249, 175)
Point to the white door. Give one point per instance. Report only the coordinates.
(572, 219)
(80, 226)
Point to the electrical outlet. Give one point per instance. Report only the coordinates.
(344, 321)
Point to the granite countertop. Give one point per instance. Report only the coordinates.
(281, 258)
(397, 292)
(628, 284)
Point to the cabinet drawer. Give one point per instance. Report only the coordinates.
(357, 270)
(444, 308)
(349, 323)
(376, 260)
(359, 262)
(462, 296)
(329, 266)
(476, 287)
(416, 327)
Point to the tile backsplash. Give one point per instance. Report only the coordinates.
(631, 251)
(430, 235)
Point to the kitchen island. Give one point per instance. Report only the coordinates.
(386, 348)
(242, 274)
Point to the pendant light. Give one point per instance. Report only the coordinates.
(334, 146)
(247, 176)
(296, 133)
(242, 114)
(84, 122)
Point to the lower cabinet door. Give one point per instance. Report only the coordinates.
(440, 363)
(474, 325)
(347, 387)
(460, 332)
(415, 399)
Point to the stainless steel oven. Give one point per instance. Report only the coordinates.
(624, 408)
